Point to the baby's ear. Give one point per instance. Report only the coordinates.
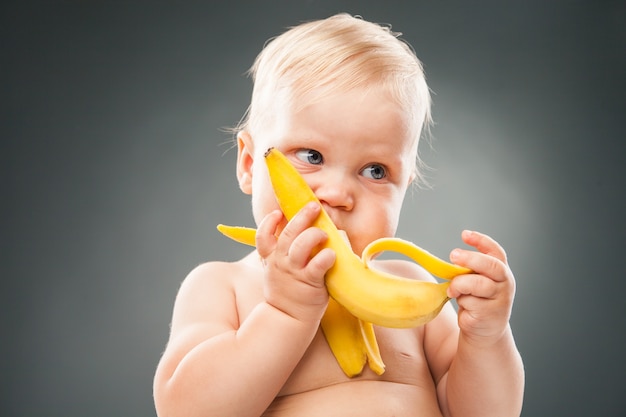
(245, 160)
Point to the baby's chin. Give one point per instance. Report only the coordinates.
(356, 245)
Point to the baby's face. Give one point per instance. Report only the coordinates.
(354, 150)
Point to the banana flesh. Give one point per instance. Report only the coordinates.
(360, 296)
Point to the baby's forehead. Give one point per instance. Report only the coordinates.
(294, 101)
(329, 112)
(297, 98)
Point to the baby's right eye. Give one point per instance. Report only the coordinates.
(310, 156)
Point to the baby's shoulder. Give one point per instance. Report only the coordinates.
(211, 292)
(208, 274)
(215, 275)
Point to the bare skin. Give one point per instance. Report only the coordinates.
(245, 338)
(316, 385)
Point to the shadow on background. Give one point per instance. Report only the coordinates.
(117, 171)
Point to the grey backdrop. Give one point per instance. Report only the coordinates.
(116, 171)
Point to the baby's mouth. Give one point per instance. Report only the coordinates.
(345, 237)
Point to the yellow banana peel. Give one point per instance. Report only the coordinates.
(360, 296)
(352, 341)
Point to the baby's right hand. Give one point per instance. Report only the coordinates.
(293, 278)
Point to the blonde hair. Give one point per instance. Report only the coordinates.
(337, 54)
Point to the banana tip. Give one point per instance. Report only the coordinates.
(267, 152)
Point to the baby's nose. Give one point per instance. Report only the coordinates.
(336, 192)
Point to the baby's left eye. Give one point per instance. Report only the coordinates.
(374, 171)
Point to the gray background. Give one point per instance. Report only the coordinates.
(116, 171)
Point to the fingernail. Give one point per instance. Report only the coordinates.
(455, 255)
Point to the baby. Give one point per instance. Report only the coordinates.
(346, 101)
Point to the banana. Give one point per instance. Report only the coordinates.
(351, 340)
(245, 235)
(371, 296)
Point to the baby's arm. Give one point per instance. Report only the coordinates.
(214, 366)
(485, 375)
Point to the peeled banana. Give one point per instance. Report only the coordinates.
(370, 296)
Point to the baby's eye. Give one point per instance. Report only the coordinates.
(374, 171)
(310, 156)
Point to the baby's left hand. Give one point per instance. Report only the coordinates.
(485, 298)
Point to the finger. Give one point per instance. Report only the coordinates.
(475, 315)
(304, 244)
(321, 263)
(300, 222)
(484, 244)
(480, 263)
(266, 233)
(473, 284)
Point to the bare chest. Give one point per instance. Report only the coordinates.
(401, 350)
